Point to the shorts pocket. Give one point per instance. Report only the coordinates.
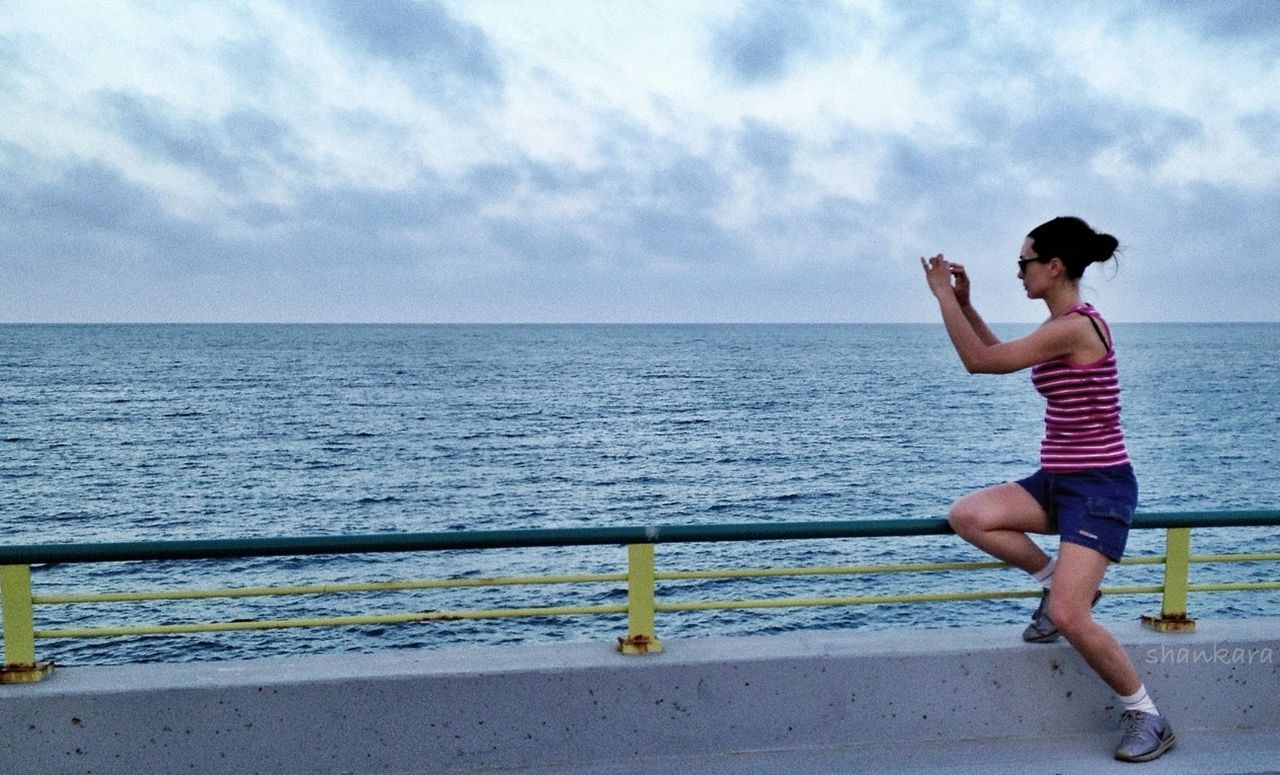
(1104, 507)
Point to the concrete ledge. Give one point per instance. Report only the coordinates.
(566, 707)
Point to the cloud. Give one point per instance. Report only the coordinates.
(367, 213)
(10, 62)
(942, 28)
(1263, 130)
(688, 184)
(147, 125)
(766, 39)
(768, 148)
(1234, 20)
(86, 200)
(1155, 137)
(254, 63)
(541, 242)
(439, 55)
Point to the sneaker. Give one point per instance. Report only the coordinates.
(1042, 628)
(1146, 737)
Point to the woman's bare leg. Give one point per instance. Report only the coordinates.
(997, 519)
(1075, 580)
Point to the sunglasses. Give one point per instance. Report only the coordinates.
(1022, 262)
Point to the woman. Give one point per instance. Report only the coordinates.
(1085, 489)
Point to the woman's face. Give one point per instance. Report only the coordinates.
(1035, 275)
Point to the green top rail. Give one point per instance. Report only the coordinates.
(26, 554)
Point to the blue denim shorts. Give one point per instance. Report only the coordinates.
(1093, 508)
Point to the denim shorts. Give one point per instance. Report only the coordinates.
(1093, 508)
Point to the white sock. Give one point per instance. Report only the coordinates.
(1045, 574)
(1140, 700)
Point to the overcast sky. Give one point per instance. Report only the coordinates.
(425, 161)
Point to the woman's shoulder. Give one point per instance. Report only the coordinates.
(1073, 317)
(1088, 334)
(1065, 331)
(1072, 333)
(1086, 309)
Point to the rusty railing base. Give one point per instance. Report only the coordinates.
(26, 674)
(1169, 623)
(640, 644)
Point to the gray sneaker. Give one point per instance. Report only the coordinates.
(1042, 628)
(1146, 737)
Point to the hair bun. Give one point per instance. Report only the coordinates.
(1105, 247)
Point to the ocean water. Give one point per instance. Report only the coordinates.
(112, 433)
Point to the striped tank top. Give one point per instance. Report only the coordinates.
(1082, 416)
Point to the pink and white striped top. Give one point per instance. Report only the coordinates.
(1082, 417)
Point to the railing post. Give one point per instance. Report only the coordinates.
(20, 665)
(1177, 569)
(641, 638)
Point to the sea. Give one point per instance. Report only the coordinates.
(159, 432)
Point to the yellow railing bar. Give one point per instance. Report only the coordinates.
(15, 597)
(823, 570)
(1233, 586)
(642, 635)
(1257, 557)
(321, 589)
(1177, 573)
(929, 597)
(330, 621)
(837, 570)
(20, 665)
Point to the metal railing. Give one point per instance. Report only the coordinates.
(18, 601)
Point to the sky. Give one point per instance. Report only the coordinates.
(424, 161)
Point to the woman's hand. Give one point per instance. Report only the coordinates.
(961, 286)
(939, 273)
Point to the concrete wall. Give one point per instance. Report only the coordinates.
(548, 705)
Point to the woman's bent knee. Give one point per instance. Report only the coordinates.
(963, 518)
(975, 513)
(1069, 617)
(1003, 507)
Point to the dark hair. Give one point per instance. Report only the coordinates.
(1074, 241)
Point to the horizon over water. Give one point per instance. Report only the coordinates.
(115, 432)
